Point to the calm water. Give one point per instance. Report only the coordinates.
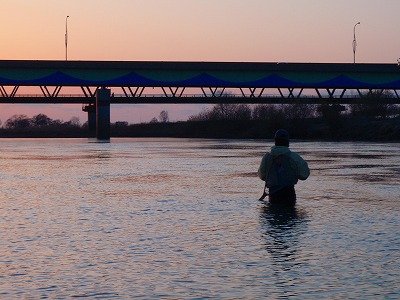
(180, 219)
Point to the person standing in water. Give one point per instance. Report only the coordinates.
(281, 169)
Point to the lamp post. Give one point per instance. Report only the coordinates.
(66, 38)
(355, 42)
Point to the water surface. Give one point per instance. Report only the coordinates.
(179, 219)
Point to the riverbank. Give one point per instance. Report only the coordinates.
(361, 129)
(346, 129)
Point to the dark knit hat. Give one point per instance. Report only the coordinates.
(281, 134)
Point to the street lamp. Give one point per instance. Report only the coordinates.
(355, 42)
(66, 38)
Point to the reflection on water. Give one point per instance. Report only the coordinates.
(179, 219)
(282, 226)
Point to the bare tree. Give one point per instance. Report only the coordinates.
(154, 120)
(75, 121)
(40, 120)
(163, 117)
(18, 121)
(226, 111)
(375, 107)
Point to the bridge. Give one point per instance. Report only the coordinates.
(97, 84)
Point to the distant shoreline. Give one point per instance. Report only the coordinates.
(383, 130)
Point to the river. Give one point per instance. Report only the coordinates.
(180, 219)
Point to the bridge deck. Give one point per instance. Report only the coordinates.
(215, 81)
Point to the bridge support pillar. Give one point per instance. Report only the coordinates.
(103, 97)
(91, 110)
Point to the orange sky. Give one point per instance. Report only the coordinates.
(189, 30)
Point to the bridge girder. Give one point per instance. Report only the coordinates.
(203, 95)
(198, 82)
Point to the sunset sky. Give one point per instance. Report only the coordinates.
(189, 30)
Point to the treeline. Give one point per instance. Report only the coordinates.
(278, 112)
(40, 120)
(358, 121)
(325, 121)
(304, 121)
(42, 126)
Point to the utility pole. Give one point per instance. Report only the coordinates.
(355, 42)
(66, 38)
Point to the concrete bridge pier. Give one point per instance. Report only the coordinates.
(103, 98)
(91, 110)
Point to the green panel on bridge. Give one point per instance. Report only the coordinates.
(167, 75)
(372, 78)
(25, 74)
(308, 77)
(96, 75)
(237, 77)
(199, 74)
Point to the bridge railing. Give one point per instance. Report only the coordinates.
(202, 95)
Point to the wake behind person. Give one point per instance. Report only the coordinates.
(281, 169)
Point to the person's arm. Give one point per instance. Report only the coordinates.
(304, 170)
(262, 170)
(302, 167)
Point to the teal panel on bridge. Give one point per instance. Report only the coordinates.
(199, 74)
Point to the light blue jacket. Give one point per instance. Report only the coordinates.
(298, 167)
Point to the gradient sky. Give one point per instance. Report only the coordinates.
(189, 30)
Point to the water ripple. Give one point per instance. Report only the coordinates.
(179, 219)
